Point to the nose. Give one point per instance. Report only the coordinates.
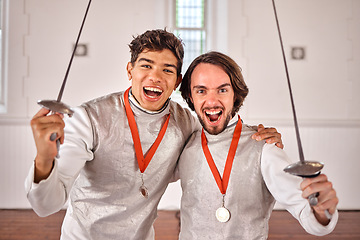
(212, 99)
(155, 76)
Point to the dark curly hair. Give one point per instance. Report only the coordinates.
(157, 40)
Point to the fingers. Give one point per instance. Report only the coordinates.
(308, 184)
(327, 198)
(327, 201)
(260, 127)
(280, 145)
(270, 135)
(42, 112)
(43, 126)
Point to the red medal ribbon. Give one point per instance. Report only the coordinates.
(222, 183)
(143, 162)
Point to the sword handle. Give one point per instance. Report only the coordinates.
(52, 138)
(313, 200)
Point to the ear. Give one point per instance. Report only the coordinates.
(178, 81)
(129, 68)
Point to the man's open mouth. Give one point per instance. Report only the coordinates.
(213, 115)
(152, 92)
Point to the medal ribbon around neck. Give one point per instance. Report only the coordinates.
(222, 183)
(143, 162)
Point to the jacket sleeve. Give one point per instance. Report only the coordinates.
(286, 190)
(49, 195)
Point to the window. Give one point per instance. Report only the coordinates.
(190, 26)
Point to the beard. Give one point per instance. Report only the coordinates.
(214, 130)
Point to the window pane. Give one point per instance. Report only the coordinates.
(194, 41)
(190, 14)
(190, 26)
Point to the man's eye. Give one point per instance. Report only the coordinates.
(145, 66)
(168, 71)
(200, 91)
(223, 90)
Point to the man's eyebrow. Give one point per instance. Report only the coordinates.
(204, 87)
(152, 62)
(145, 60)
(224, 85)
(199, 86)
(170, 65)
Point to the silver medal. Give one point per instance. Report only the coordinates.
(222, 214)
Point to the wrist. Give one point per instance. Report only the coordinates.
(321, 218)
(42, 169)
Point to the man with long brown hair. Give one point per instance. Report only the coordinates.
(230, 182)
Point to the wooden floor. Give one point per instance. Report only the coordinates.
(25, 224)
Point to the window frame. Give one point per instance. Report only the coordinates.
(4, 55)
(204, 28)
(176, 96)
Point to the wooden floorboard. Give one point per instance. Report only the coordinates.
(283, 226)
(26, 225)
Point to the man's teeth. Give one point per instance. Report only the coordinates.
(213, 112)
(213, 115)
(153, 89)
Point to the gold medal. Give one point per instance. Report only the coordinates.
(143, 162)
(143, 190)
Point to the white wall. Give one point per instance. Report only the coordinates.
(325, 84)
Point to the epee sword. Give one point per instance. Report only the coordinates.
(56, 106)
(302, 168)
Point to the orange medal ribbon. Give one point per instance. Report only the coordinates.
(143, 162)
(222, 182)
